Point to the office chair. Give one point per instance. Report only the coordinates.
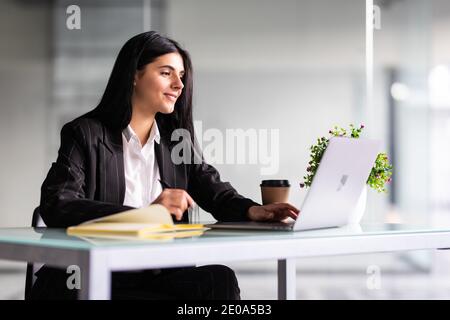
(36, 221)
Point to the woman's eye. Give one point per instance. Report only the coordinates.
(165, 73)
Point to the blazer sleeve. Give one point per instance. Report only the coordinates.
(215, 196)
(63, 202)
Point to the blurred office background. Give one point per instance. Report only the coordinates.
(298, 66)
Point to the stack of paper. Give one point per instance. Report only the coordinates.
(153, 222)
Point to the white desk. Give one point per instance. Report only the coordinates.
(97, 260)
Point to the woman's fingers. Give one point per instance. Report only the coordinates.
(292, 214)
(177, 207)
(284, 210)
(273, 212)
(284, 207)
(182, 198)
(288, 206)
(284, 213)
(177, 212)
(177, 201)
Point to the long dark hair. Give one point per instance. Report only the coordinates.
(114, 109)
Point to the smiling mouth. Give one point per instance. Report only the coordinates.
(170, 97)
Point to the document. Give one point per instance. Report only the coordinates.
(152, 222)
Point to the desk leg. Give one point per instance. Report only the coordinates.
(95, 277)
(286, 279)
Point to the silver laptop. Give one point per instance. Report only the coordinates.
(334, 192)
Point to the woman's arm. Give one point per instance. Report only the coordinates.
(63, 201)
(215, 196)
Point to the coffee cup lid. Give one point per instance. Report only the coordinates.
(275, 183)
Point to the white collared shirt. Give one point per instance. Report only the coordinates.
(141, 168)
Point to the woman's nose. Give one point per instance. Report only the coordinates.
(178, 84)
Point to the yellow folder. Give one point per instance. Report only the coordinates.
(152, 222)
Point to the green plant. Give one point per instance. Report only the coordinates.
(381, 172)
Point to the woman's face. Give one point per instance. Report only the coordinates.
(158, 86)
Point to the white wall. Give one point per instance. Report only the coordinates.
(296, 66)
(24, 87)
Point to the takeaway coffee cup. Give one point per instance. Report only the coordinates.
(274, 191)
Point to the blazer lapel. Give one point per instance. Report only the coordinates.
(113, 167)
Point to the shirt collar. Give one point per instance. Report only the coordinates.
(128, 132)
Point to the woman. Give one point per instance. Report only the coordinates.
(118, 157)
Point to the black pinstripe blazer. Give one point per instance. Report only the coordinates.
(87, 181)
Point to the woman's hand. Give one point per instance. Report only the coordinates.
(176, 201)
(273, 212)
